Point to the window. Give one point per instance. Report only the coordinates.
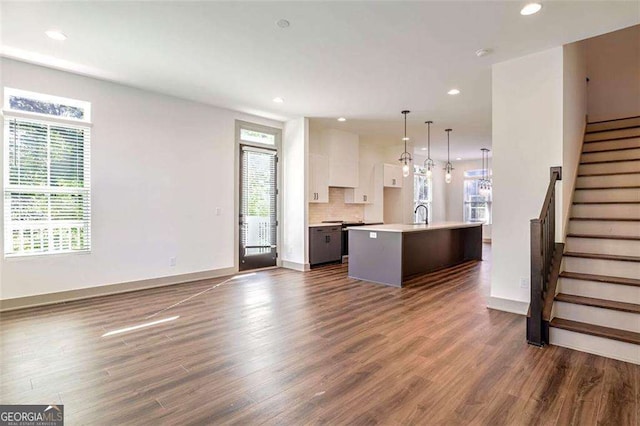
(22, 101)
(249, 135)
(421, 193)
(477, 204)
(47, 192)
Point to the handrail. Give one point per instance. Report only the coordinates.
(543, 248)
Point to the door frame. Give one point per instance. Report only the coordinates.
(277, 132)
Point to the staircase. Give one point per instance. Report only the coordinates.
(597, 305)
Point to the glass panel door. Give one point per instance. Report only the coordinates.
(258, 203)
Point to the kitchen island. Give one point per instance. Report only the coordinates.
(390, 254)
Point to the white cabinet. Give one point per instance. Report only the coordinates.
(318, 178)
(392, 176)
(344, 153)
(363, 194)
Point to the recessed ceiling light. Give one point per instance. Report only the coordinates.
(342, 119)
(283, 23)
(458, 158)
(56, 35)
(278, 100)
(482, 52)
(454, 92)
(424, 148)
(530, 9)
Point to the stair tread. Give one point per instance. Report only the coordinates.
(612, 139)
(598, 303)
(627, 127)
(611, 150)
(607, 219)
(614, 119)
(602, 256)
(605, 237)
(607, 174)
(606, 202)
(596, 330)
(600, 278)
(623, 160)
(586, 188)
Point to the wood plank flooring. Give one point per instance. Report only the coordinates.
(289, 348)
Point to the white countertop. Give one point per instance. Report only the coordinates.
(399, 227)
(315, 225)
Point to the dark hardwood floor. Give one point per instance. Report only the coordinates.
(283, 347)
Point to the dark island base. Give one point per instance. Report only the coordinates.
(393, 257)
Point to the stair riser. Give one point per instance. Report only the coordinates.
(609, 348)
(598, 316)
(622, 143)
(599, 290)
(625, 211)
(627, 154)
(599, 195)
(614, 268)
(631, 229)
(603, 181)
(603, 246)
(613, 125)
(612, 134)
(621, 167)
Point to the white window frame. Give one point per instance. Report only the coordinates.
(49, 120)
(466, 204)
(428, 203)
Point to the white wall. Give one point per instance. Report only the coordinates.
(527, 139)
(295, 146)
(574, 104)
(160, 168)
(613, 67)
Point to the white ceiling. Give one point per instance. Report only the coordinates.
(366, 61)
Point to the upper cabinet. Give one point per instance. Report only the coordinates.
(363, 194)
(318, 178)
(392, 176)
(343, 151)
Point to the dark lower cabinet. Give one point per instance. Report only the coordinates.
(325, 244)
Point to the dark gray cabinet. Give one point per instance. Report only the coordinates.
(325, 244)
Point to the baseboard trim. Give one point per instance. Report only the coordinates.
(507, 305)
(106, 290)
(302, 267)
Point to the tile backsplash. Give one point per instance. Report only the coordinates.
(335, 209)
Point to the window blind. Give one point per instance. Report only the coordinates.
(258, 202)
(47, 191)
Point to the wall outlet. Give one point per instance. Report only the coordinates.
(524, 282)
(218, 211)
(373, 235)
(173, 261)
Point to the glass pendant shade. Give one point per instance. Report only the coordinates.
(447, 174)
(449, 167)
(428, 163)
(484, 186)
(405, 157)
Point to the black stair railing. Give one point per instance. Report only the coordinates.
(543, 246)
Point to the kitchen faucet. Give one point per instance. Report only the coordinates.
(426, 213)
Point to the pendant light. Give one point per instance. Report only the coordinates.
(449, 167)
(405, 157)
(428, 163)
(484, 186)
